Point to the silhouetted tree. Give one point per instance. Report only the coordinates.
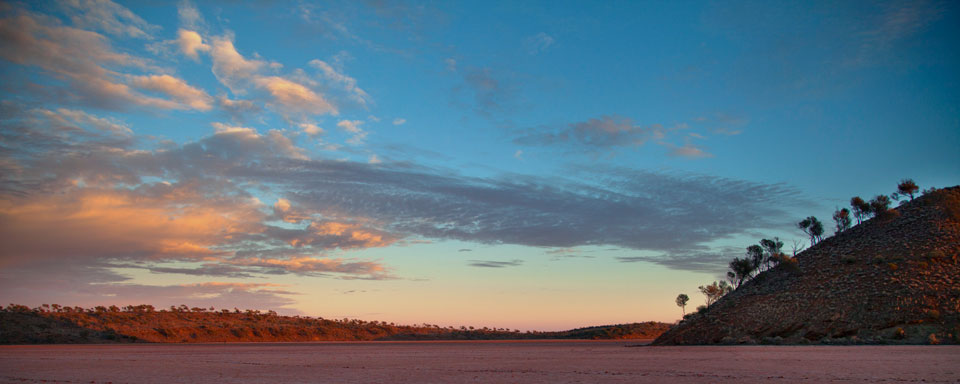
(772, 249)
(755, 255)
(907, 187)
(682, 300)
(797, 247)
(861, 209)
(715, 291)
(813, 228)
(842, 218)
(740, 270)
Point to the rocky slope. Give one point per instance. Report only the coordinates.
(888, 280)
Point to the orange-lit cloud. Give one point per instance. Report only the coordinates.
(285, 95)
(179, 90)
(230, 67)
(282, 209)
(72, 117)
(164, 223)
(85, 59)
(294, 97)
(191, 43)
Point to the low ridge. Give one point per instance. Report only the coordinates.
(890, 279)
(144, 323)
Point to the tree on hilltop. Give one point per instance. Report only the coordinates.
(813, 228)
(842, 218)
(740, 270)
(772, 249)
(861, 209)
(715, 291)
(907, 187)
(682, 300)
(755, 255)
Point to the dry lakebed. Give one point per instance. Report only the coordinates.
(475, 362)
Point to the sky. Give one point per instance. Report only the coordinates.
(525, 165)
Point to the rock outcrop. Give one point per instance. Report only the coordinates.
(891, 279)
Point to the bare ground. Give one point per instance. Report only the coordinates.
(475, 362)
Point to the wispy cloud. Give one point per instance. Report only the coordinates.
(495, 264)
(606, 135)
(353, 128)
(108, 17)
(688, 150)
(89, 285)
(712, 261)
(538, 43)
(602, 132)
(346, 83)
(488, 92)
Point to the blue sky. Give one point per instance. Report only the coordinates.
(535, 166)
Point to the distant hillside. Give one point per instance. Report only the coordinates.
(887, 280)
(143, 323)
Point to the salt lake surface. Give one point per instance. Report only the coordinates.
(475, 362)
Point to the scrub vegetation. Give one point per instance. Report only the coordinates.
(46, 324)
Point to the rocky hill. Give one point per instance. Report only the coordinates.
(893, 279)
(71, 325)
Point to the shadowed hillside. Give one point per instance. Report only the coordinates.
(891, 279)
(54, 324)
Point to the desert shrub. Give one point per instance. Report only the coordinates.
(880, 206)
(789, 263)
(935, 254)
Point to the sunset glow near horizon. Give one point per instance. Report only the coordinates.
(538, 166)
